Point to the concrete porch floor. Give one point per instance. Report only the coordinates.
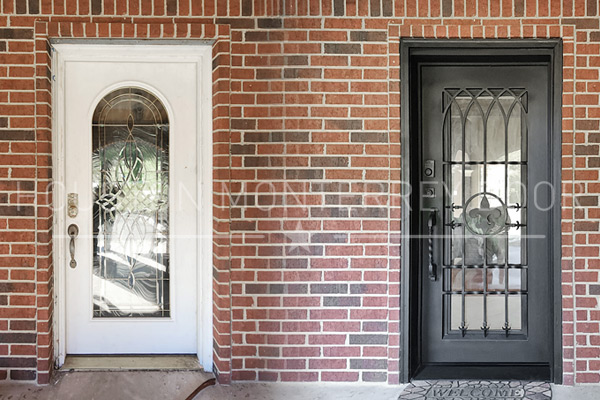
(178, 385)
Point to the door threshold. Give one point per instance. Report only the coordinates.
(449, 371)
(131, 363)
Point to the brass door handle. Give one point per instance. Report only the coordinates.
(72, 231)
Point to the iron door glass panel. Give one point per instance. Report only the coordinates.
(130, 183)
(484, 157)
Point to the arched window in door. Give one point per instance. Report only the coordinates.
(130, 179)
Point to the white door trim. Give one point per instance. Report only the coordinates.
(198, 53)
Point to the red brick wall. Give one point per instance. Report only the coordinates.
(307, 171)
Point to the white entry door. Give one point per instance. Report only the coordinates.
(129, 127)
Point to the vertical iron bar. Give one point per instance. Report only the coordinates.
(447, 237)
(524, 209)
(485, 268)
(485, 326)
(463, 121)
(506, 199)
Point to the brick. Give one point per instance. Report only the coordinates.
(303, 250)
(365, 288)
(328, 212)
(17, 337)
(344, 301)
(301, 326)
(327, 363)
(368, 36)
(594, 289)
(34, 6)
(16, 134)
(342, 48)
(375, 8)
(339, 8)
(258, 36)
(326, 288)
(329, 162)
(243, 226)
(369, 212)
(243, 124)
(304, 174)
(301, 352)
(344, 124)
(16, 33)
(22, 211)
(583, 226)
(587, 201)
(17, 362)
(243, 149)
(20, 325)
(172, 7)
(299, 376)
(368, 339)
(269, 23)
(374, 326)
(329, 187)
(288, 288)
(339, 376)
(369, 137)
(268, 73)
(302, 73)
(329, 237)
(22, 375)
(362, 363)
(369, 376)
(16, 287)
(96, 7)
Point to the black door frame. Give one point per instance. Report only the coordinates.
(412, 51)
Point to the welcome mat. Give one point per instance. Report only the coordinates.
(476, 390)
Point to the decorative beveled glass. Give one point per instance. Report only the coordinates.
(130, 183)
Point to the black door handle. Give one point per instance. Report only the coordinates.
(430, 225)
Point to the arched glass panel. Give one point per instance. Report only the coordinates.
(130, 179)
(485, 263)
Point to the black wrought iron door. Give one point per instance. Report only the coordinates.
(484, 215)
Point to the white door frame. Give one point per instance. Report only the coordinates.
(201, 54)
